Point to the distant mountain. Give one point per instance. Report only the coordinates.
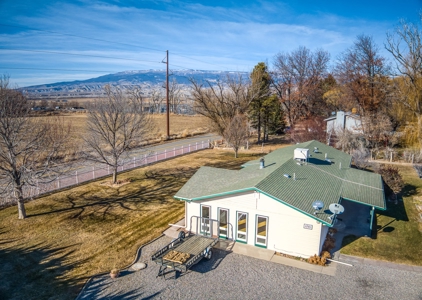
(147, 79)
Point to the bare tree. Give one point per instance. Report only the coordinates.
(222, 101)
(135, 92)
(297, 80)
(406, 47)
(156, 99)
(237, 132)
(174, 96)
(115, 125)
(30, 150)
(363, 75)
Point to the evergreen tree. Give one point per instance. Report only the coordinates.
(260, 82)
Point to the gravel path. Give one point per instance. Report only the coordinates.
(234, 276)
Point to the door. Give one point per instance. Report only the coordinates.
(261, 231)
(205, 222)
(242, 227)
(223, 217)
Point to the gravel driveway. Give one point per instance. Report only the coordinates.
(233, 276)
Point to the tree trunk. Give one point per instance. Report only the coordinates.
(115, 174)
(235, 152)
(21, 203)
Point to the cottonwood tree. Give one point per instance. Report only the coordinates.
(237, 132)
(174, 96)
(363, 76)
(296, 78)
(115, 125)
(222, 101)
(31, 149)
(405, 44)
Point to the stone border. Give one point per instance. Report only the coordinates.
(125, 268)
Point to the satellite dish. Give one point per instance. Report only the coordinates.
(317, 205)
(336, 208)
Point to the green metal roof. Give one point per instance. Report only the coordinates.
(317, 179)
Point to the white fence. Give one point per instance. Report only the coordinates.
(101, 171)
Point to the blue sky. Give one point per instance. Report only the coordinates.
(50, 41)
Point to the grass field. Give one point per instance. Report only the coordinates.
(399, 238)
(74, 234)
(180, 125)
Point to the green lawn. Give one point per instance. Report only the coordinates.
(398, 237)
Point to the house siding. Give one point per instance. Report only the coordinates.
(285, 230)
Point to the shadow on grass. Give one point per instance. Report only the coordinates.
(36, 272)
(348, 239)
(163, 184)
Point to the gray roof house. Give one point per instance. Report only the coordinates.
(269, 203)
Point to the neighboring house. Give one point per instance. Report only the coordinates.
(340, 121)
(271, 206)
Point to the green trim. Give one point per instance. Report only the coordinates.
(217, 195)
(261, 246)
(242, 242)
(367, 204)
(296, 209)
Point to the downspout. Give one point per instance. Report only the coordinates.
(372, 213)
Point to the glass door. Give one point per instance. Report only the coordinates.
(223, 217)
(205, 222)
(242, 227)
(261, 231)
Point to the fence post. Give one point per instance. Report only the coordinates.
(165, 153)
(413, 155)
(76, 175)
(156, 156)
(174, 151)
(58, 181)
(134, 163)
(183, 149)
(93, 172)
(391, 156)
(196, 145)
(189, 149)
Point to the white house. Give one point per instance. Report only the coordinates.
(269, 203)
(344, 120)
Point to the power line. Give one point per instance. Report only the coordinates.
(75, 54)
(79, 36)
(50, 69)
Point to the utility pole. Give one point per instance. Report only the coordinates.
(167, 96)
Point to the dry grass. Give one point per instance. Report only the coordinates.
(74, 234)
(180, 125)
(399, 238)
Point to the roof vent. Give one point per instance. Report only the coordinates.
(287, 175)
(301, 154)
(262, 163)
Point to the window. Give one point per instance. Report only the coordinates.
(223, 217)
(261, 231)
(242, 226)
(205, 222)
